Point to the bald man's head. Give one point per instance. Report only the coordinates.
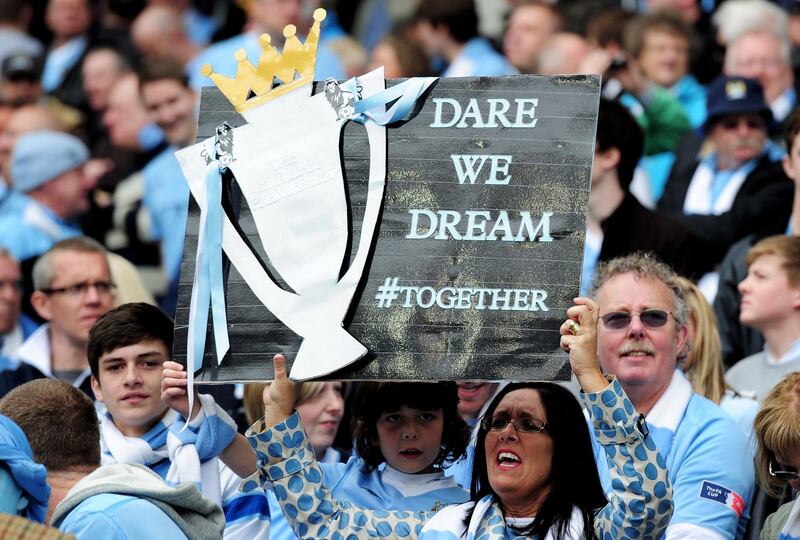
(156, 31)
(25, 120)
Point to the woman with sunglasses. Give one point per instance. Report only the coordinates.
(777, 429)
(534, 473)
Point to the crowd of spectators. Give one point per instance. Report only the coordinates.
(691, 262)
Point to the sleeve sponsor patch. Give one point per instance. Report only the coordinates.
(717, 493)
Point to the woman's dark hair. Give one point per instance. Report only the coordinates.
(372, 399)
(574, 481)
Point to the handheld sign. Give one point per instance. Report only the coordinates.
(443, 246)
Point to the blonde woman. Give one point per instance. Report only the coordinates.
(321, 404)
(777, 428)
(701, 361)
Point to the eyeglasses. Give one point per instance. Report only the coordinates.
(522, 425)
(651, 318)
(80, 289)
(15, 284)
(733, 122)
(782, 472)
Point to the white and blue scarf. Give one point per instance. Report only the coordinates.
(192, 452)
(791, 530)
(487, 522)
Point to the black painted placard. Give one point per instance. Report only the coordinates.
(550, 172)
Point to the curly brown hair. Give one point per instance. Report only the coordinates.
(372, 399)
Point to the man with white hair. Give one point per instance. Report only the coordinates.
(764, 55)
(641, 331)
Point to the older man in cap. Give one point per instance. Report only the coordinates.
(48, 167)
(736, 186)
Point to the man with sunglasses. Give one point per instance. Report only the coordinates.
(641, 331)
(73, 288)
(735, 186)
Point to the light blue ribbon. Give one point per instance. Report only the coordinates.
(374, 107)
(210, 288)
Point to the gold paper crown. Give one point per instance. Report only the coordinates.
(259, 82)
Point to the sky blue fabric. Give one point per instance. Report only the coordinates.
(31, 477)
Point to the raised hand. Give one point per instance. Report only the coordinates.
(173, 389)
(579, 339)
(280, 396)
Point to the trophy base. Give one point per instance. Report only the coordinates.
(323, 354)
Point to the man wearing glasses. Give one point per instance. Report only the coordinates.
(735, 186)
(73, 288)
(642, 329)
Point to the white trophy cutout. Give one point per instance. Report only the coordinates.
(287, 162)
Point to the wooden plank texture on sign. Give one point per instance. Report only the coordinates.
(550, 173)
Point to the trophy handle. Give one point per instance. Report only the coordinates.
(325, 351)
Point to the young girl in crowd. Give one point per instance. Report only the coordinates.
(404, 435)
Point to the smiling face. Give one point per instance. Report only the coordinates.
(171, 106)
(642, 357)
(767, 296)
(519, 464)
(411, 439)
(321, 416)
(129, 384)
(664, 57)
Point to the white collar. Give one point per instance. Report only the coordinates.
(36, 351)
(411, 485)
(792, 354)
(668, 410)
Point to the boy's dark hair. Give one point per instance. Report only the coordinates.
(127, 325)
(792, 129)
(616, 128)
(59, 421)
(459, 16)
(372, 399)
(160, 69)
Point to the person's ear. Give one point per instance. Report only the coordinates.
(41, 303)
(787, 166)
(682, 338)
(98, 391)
(608, 160)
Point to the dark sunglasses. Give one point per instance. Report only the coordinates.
(651, 318)
(733, 122)
(782, 472)
(523, 425)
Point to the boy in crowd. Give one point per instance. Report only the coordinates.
(127, 348)
(770, 304)
(117, 502)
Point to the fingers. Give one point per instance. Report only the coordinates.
(279, 366)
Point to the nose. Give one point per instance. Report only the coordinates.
(132, 375)
(92, 295)
(509, 433)
(743, 285)
(335, 404)
(636, 328)
(410, 431)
